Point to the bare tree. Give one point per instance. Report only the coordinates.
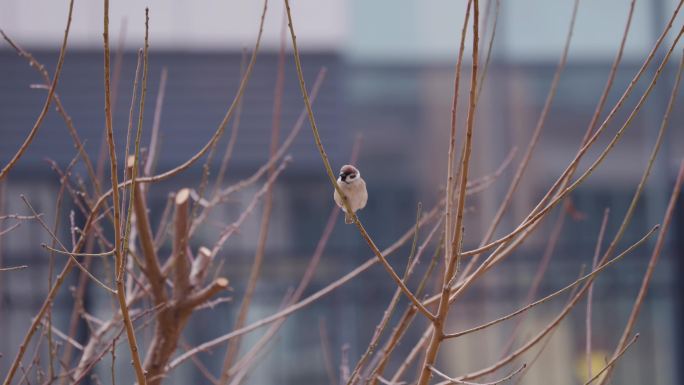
(162, 292)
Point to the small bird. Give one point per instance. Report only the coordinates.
(354, 188)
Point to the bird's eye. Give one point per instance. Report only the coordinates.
(352, 176)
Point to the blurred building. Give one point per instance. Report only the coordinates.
(390, 78)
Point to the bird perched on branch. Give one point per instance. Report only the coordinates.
(354, 188)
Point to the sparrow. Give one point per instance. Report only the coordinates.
(354, 188)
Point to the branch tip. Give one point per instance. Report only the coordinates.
(182, 196)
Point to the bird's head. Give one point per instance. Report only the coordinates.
(349, 174)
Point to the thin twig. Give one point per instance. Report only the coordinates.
(450, 380)
(452, 138)
(303, 283)
(666, 221)
(332, 178)
(249, 360)
(103, 254)
(590, 293)
(156, 122)
(547, 339)
(216, 136)
(613, 360)
(231, 109)
(63, 336)
(43, 113)
(51, 265)
(224, 194)
(406, 318)
(388, 382)
(232, 228)
(133, 168)
(82, 371)
(119, 263)
(7, 230)
(611, 76)
(33, 63)
(414, 354)
(129, 129)
(20, 217)
(325, 348)
(488, 58)
(412, 261)
(303, 303)
(522, 167)
(589, 276)
(234, 345)
(91, 221)
(201, 367)
(71, 256)
(453, 259)
(162, 226)
(539, 275)
(233, 135)
(566, 310)
(59, 280)
(534, 219)
(541, 210)
(12, 268)
(483, 182)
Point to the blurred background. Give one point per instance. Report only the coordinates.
(390, 70)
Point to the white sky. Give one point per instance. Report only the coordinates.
(363, 30)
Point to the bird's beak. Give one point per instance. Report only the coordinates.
(343, 176)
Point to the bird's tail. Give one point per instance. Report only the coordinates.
(348, 218)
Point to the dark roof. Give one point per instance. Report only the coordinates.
(200, 87)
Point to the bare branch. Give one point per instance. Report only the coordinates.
(41, 117)
(119, 263)
(205, 294)
(541, 210)
(156, 122)
(666, 221)
(561, 291)
(152, 268)
(234, 345)
(331, 176)
(3, 269)
(103, 254)
(73, 258)
(303, 303)
(613, 360)
(181, 283)
(200, 266)
(590, 293)
(7, 230)
(450, 380)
